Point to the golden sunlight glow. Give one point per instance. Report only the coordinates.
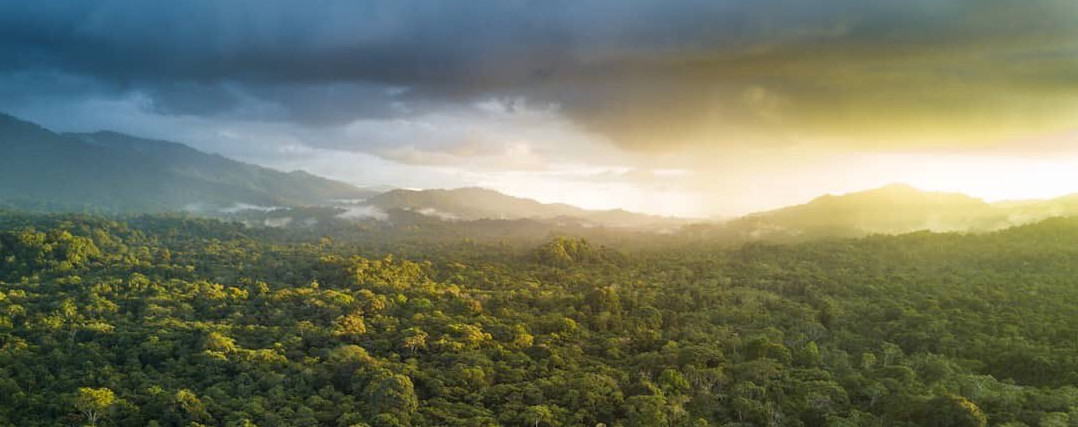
(994, 178)
(604, 195)
(762, 187)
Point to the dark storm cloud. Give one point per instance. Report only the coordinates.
(649, 74)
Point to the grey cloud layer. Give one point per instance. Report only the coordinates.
(648, 74)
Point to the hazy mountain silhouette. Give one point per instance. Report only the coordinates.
(896, 208)
(108, 171)
(470, 204)
(113, 172)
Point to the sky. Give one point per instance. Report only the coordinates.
(697, 108)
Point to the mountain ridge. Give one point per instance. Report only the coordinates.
(476, 203)
(894, 209)
(121, 173)
(114, 172)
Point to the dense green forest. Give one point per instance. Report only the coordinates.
(174, 321)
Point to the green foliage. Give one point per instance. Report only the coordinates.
(953, 411)
(93, 403)
(181, 322)
(565, 252)
(391, 393)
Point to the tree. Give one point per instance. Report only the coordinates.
(647, 410)
(350, 326)
(673, 382)
(93, 403)
(415, 339)
(953, 411)
(216, 341)
(391, 393)
(186, 403)
(539, 414)
(521, 337)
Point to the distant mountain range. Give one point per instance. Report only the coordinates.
(893, 209)
(117, 173)
(112, 172)
(470, 204)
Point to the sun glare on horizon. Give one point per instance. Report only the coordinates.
(993, 178)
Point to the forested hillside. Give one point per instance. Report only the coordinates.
(112, 172)
(173, 321)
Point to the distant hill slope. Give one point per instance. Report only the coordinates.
(1025, 211)
(469, 204)
(108, 171)
(891, 209)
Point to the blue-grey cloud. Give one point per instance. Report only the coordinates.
(648, 74)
